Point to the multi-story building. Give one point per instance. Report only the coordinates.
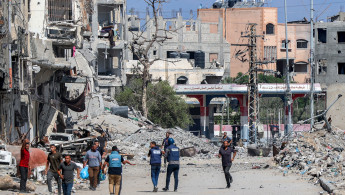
(193, 52)
(330, 63)
(271, 47)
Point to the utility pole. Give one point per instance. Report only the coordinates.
(312, 68)
(253, 85)
(288, 98)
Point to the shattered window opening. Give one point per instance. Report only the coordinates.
(341, 37)
(182, 80)
(341, 68)
(322, 66)
(322, 35)
(59, 10)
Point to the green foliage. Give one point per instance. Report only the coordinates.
(244, 79)
(164, 106)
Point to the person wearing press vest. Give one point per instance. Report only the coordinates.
(173, 158)
(155, 155)
(225, 153)
(114, 161)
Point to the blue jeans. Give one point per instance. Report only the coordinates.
(67, 188)
(155, 170)
(172, 169)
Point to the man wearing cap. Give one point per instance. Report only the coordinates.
(173, 157)
(155, 155)
(113, 161)
(165, 144)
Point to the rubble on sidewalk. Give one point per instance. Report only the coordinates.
(317, 156)
(10, 183)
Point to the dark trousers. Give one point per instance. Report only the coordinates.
(228, 177)
(23, 177)
(155, 170)
(93, 174)
(172, 169)
(67, 188)
(50, 176)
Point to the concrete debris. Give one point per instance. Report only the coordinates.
(138, 143)
(189, 152)
(317, 156)
(9, 183)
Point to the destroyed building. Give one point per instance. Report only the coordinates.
(53, 62)
(194, 53)
(330, 63)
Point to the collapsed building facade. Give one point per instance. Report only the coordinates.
(49, 65)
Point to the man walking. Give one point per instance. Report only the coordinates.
(226, 138)
(155, 155)
(54, 160)
(66, 173)
(226, 152)
(102, 152)
(173, 157)
(165, 144)
(94, 160)
(113, 161)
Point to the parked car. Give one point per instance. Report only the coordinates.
(8, 163)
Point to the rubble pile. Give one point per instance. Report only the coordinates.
(138, 143)
(317, 156)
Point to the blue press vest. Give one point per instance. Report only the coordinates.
(155, 156)
(174, 154)
(115, 159)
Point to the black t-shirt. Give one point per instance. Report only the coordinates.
(114, 170)
(68, 171)
(226, 156)
(54, 161)
(102, 141)
(101, 150)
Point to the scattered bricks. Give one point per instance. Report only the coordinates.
(326, 185)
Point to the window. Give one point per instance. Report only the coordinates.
(154, 52)
(284, 45)
(322, 66)
(341, 68)
(270, 29)
(213, 57)
(182, 80)
(341, 37)
(59, 10)
(301, 67)
(173, 54)
(270, 53)
(302, 44)
(322, 35)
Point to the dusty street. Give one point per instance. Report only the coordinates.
(209, 179)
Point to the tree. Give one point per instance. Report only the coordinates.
(164, 106)
(141, 46)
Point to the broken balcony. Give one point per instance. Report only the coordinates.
(111, 23)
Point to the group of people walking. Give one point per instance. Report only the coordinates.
(63, 170)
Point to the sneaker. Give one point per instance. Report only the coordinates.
(165, 189)
(93, 189)
(175, 190)
(155, 189)
(228, 186)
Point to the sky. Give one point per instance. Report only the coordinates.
(297, 9)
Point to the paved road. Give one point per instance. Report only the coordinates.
(206, 180)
